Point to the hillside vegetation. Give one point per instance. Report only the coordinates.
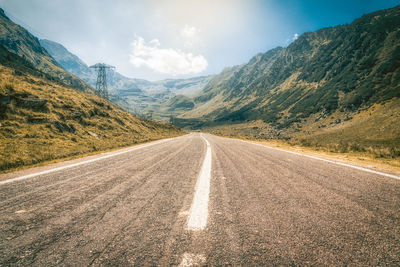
(41, 121)
(373, 131)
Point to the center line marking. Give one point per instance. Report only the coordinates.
(199, 210)
(192, 260)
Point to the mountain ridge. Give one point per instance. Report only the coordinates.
(21, 42)
(322, 61)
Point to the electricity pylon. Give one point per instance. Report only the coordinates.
(101, 84)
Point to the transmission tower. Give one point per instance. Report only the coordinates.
(101, 84)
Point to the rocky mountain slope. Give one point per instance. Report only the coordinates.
(43, 116)
(340, 68)
(337, 88)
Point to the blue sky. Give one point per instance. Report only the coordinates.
(158, 39)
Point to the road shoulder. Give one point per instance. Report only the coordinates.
(391, 166)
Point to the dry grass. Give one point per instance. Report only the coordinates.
(374, 131)
(71, 123)
(370, 137)
(367, 160)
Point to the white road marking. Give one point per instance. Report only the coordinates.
(190, 259)
(80, 163)
(199, 210)
(327, 160)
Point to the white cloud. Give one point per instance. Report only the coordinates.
(165, 60)
(189, 35)
(155, 42)
(188, 31)
(295, 36)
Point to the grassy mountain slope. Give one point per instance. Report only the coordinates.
(42, 120)
(375, 129)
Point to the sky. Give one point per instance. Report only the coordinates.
(159, 39)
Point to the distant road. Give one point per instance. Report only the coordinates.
(200, 200)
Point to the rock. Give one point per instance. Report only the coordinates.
(4, 101)
(32, 102)
(62, 127)
(37, 119)
(78, 114)
(93, 134)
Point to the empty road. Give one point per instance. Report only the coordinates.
(199, 200)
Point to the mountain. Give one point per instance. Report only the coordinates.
(143, 97)
(153, 99)
(18, 40)
(339, 68)
(338, 87)
(69, 61)
(43, 116)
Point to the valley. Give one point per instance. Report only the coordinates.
(336, 89)
(211, 153)
(144, 98)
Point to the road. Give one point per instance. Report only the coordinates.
(200, 200)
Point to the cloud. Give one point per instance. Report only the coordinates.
(189, 35)
(188, 31)
(165, 60)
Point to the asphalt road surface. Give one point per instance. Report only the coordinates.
(200, 200)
